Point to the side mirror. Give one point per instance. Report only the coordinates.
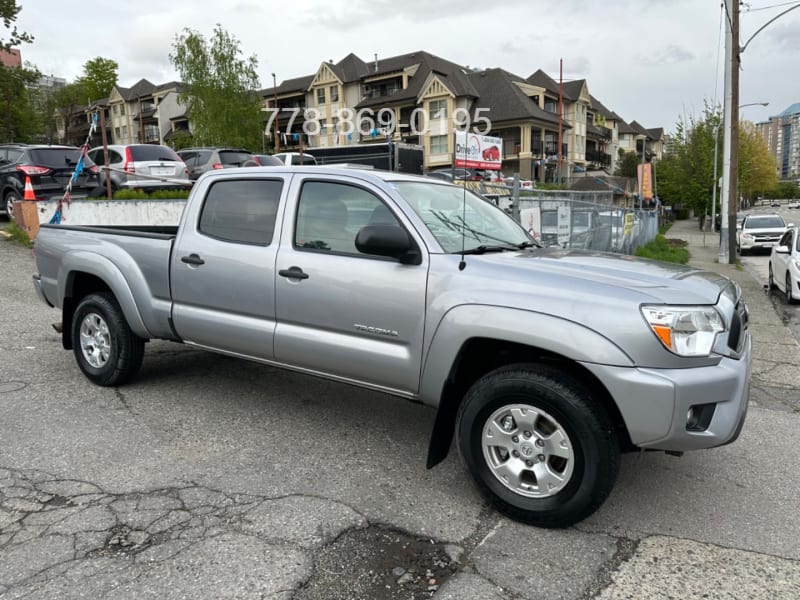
(388, 240)
(781, 249)
(790, 225)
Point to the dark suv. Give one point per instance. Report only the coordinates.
(200, 160)
(49, 169)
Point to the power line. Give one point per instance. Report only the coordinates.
(750, 9)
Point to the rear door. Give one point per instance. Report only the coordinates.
(780, 262)
(223, 266)
(354, 316)
(156, 161)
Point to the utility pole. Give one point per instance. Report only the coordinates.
(733, 186)
(728, 196)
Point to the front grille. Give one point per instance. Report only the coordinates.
(739, 324)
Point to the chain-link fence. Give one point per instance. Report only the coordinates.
(570, 219)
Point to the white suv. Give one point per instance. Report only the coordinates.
(759, 232)
(145, 166)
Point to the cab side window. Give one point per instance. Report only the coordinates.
(786, 240)
(241, 211)
(330, 215)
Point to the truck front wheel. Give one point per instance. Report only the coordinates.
(106, 349)
(537, 445)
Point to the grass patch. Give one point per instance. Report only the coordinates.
(16, 234)
(661, 248)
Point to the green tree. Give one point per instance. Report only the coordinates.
(99, 77)
(8, 12)
(756, 163)
(220, 89)
(626, 166)
(18, 122)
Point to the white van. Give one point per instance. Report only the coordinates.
(295, 158)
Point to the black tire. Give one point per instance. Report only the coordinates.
(790, 297)
(9, 200)
(116, 351)
(771, 280)
(558, 395)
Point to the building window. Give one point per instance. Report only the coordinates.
(122, 109)
(124, 133)
(334, 93)
(438, 144)
(116, 133)
(116, 109)
(320, 96)
(438, 109)
(550, 106)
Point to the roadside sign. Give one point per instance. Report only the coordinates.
(475, 151)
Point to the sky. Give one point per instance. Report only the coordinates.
(650, 61)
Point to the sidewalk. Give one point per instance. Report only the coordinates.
(776, 354)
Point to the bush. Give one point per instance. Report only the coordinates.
(154, 195)
(18, 235)
(663, 249)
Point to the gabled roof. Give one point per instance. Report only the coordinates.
(601, 109)
(498, 90)
(176, 85)
(137, 90)
(624, 128)
(572, 89)
(542, 79)
(452, 75)
(639, 129)
(350, 68)
(297, 84)
(655, 133)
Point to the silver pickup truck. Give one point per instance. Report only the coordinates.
(545, 364)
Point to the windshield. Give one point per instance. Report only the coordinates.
(764, 222)
(460, 219)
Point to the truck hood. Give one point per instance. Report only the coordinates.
(612, 275)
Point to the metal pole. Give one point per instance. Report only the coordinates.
(105, 148)
(277, 114)
(560, 112)
(731, 46)
(714, 191)
(733, 186)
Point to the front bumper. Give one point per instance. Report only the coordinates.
(654, 402)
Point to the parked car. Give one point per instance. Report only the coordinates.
(200, 160)
(491, 175)
(739, 219)
(793, 204)
(784, 265)
(295, 158)
(759, 232)
(267, 160)
(49, 169)
(524, 184)
(142, 166)
(775, 203)
(443, 175)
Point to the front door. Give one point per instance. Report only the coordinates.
(340, 312)
(223, 267)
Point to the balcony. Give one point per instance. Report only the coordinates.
(598, 157)
(147, 113)
(149, 137)
(511, 148)
(598, 131)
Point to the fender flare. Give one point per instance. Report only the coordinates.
(461, 324)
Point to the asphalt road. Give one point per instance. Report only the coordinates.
(209, 477)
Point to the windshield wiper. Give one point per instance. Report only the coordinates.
(483, 249)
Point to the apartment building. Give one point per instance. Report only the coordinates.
(782, 134)
(144, 113)
(421, 98)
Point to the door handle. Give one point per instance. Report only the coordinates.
(193, 259)
(293, 273)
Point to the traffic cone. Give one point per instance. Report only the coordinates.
(28, 195)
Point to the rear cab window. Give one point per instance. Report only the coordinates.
(234, 157)
(241, 210)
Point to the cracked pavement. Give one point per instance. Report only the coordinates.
(213, 477)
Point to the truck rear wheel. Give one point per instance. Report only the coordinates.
(537, 445)
(106, 349)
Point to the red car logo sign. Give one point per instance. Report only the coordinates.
(492, 153)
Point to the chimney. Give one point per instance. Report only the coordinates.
(376, 62)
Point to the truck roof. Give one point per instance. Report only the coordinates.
(365, 173)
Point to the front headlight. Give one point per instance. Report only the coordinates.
(685, 330)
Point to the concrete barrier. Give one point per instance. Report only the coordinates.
(110, 212)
